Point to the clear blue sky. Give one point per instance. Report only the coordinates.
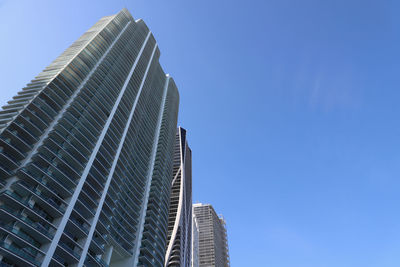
(292, 110)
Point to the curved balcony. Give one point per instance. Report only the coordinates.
(53, 206)
(78, 225)
(84, 209)
(58, 261)
(17, 255)
(32, 118)
(51, 170)
(93, 260)
(67, 252)
(38, 231)
(97, 245)
(13, 142)
(91, 190)
(35, 174)
(20, 234)
(16, 202)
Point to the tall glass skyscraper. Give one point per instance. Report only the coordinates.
(178, 252)
(212, 237)
(86, 154)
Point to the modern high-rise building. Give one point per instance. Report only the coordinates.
(86, 154)
(213, 243)
(178, 252)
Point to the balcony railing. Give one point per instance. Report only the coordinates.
(26, 204)
(98, 260)
(19, 252)
(59, 207)
(21, 234)
(80, 225)
(26, 220)
(69, 250)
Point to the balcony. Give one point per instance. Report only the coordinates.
(21, 235)
(97, 246)
(146, 260)
(102, 227)
(70, 251)
(81, 226)
(58, 261)
(14, 145)
(15, 201)
(32, 117)
(89, 200)
(38, 231)
(34, 173)
(48, 203)
(8, 162)
(84, 210)
(52, 170)
(17, 255)
(92, 260)
(91, 191)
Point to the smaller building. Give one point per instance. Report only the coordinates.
(212, 238)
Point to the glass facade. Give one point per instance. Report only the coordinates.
(86, 154)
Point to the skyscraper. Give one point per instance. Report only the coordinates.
(213, 244)
(86, 154)
(178, 251)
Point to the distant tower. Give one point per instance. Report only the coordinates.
(213, 243)
(178, 252)
(86, 154)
